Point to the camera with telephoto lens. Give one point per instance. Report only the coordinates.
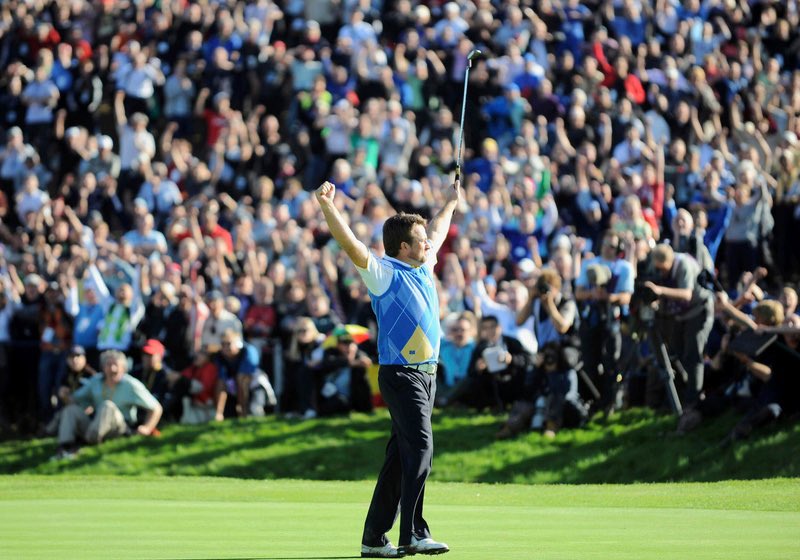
(598, 275)
(542, 286)
(641, 301)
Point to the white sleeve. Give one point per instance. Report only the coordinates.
(377, 276)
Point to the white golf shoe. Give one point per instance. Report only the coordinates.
(386, 551)
(424, 546)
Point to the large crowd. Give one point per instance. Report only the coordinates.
(163, 257)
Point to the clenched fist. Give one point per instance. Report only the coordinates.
(325, 192)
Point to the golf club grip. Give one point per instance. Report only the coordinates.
(458, 173)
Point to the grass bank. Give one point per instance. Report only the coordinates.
(637, 446)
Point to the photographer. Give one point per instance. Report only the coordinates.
(604, 289)
(686, 313)
(555, 318)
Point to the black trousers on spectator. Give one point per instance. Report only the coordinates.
(409, 394)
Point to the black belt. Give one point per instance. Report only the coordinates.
(429, 367)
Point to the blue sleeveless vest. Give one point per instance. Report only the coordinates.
(408, 317)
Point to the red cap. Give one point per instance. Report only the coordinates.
(153, 347)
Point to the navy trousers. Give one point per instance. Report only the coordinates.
(409, 395)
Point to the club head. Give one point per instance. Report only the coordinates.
(472, 54)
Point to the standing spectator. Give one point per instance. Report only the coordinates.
(749, 223)
(88, 314)
(9, 301)
(55, 328)
(179, 91)
(41, 97)
(139, 83)
(121, 318)
(135, 141)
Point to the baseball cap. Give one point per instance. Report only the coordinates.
(105, 142)
(153, 347)
(77, 350)
(214, 295)
(526, 267)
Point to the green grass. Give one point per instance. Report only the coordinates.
(637, 446)
(197, 518)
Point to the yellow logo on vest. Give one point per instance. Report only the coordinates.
(418, 349)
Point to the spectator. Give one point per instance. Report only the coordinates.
(112, 398)
(55, 327)
(455, 354)
(343, 377)
(497, 369)
(303, 355)
(604, 288)
(197, 390)
(219, 321)
(152, 373)
(248, 391)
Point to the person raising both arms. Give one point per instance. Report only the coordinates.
(403, 292)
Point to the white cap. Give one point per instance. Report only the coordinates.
(72, 131)
(526, 267)
(105, 142)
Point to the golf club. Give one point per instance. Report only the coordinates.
(472, 54)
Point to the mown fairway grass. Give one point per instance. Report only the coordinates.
(100, 517)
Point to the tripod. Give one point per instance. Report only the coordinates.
(663, 364)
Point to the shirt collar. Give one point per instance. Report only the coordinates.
(398, 261)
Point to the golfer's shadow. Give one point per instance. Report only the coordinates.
(272, 558)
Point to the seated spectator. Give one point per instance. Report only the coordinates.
(776, 366)
(342, 375)
(219, 321)
(106, 407)
(303, 355)
(196, 391)
(152, 372)
(497, 369)
(455, 355)
(248, 390)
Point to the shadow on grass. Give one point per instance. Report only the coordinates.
(636, 446)
(652, 452)
(271, 558)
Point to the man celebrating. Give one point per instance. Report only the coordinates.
(403, 293)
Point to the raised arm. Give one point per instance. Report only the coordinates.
(340, 230)
(440, 224)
